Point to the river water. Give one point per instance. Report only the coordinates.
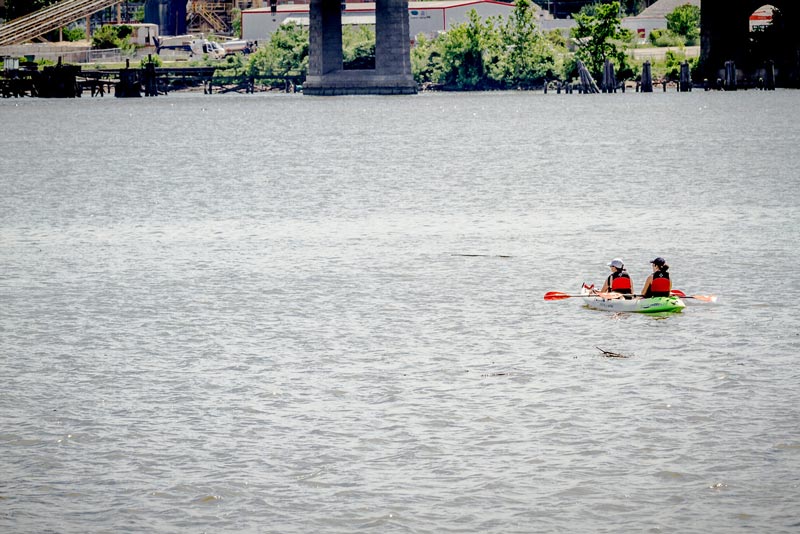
(284, 314)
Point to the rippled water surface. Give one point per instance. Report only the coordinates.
(284, 314)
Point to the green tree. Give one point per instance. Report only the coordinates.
(73, 34)
(634, 7)
(530, 55)
(138, 15)
(472, 54)
(236, 22)
(426, 60)
(358, 48)
(285, 53)
(113, 37)
(685, 21)
(598, 38)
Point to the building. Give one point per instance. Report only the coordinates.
(427, 18)
(563, 9)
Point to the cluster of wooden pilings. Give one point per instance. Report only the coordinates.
(684, 84)
(610, 84)
(69, 81)
(729, 81)
(645, 85)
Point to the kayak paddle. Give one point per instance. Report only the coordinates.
(557, 295)
(702, 298)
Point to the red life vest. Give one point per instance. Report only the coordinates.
(661, 285)
(620, 282)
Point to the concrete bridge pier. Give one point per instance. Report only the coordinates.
(392, 72)
(726, 36)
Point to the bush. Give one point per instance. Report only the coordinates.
(285, 53)
(113, 37)
(666, 38)
(471, 55)
(426, 60)
(358, 48)
(154, 59)
(73, 34)
(124, 31)
(670, 66)
(685, 21)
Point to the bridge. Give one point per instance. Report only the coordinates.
(51, 18)
(392, 72)
(726, 36)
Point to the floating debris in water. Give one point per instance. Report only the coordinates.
(482, 255)
(609, 354)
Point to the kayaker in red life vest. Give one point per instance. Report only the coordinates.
(658, 284)
(618, 281)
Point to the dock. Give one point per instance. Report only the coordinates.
(70, 81)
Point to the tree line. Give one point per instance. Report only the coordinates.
(482, 54)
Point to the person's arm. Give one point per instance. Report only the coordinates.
(647, 283)
(605, 286)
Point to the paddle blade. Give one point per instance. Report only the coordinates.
(677, 293)
(704, 298)
(556, 295)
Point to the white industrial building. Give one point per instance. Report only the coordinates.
(428, 18)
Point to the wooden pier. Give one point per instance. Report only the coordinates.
(69, 81)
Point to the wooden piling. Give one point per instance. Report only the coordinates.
(769, 82)
(587, 83)
(149, 77)
(647, 78)
(59, 81)
(609, 84)
(130, 85)
(685, 83)
(730, 76)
